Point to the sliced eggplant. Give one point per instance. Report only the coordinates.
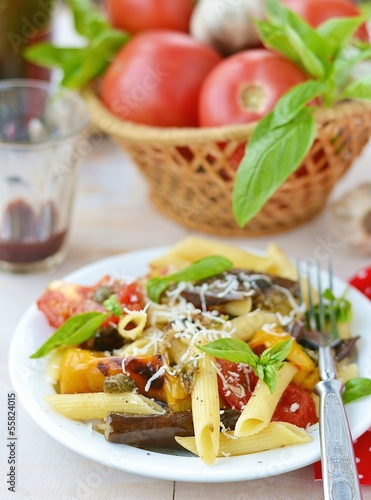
(157, 431)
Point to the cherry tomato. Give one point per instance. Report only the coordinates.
(142, 15)
(245, 87)
(156, 78)
(296, 406)
(236, 382)
(315, 12)
(362, 281)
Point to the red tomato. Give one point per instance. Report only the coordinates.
(245, 87)
(59, 304)
(156, 78)
(315, 12)
(362, 281)
(236, 382)
(141, 15)
(66, 299)
(296, 406)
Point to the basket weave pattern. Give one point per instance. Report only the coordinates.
(190, 172)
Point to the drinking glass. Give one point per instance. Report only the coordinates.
(40, 150)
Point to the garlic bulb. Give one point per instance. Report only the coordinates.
(227, 25)
(351, 219)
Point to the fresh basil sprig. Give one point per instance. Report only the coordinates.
(265, 366)
(356, 388)
(199, 270)
(282, 139)
(80, 65)
(341, 306)
(74, 331)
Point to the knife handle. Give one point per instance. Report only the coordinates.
(339, 469)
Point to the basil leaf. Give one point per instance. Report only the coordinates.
(270, 377)
(238, 351)
(230, 349)
(275, 37)
(74, 331)
(329, 295)
(278, 352)
(199, 270)
(359, 89)
(356, 388)
(293, 101)
(89, 22)
(113, 305)
(307, 45)
(309, 60)
(337, 31)
(272, 154)
(81, 65)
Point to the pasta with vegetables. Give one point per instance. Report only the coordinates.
(205, 353)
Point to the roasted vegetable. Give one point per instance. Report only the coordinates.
(157, 431)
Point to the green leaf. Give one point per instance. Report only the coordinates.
(89, 22)
(359, 89)
(231, 349)
(199, 270)
(74, 331)
(238, 351)
(278, 352)
(329, 295)
(275, 37)
(307, 45)
(113, 305)
(337, 31)
(308, 58)
(81, 65)
(272, 154)
(270, 377)
(293, 101)
(356, 388)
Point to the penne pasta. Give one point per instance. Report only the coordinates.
(205, 410)
(245, 327)
(195, 248)
(89, 406)
(259, 410)
(237, 307)
(275, 435)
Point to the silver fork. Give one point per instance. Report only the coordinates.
(339, 470)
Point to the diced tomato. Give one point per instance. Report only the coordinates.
(60, 303)
(236, 382)
(130, 296)
(296, 406)
(63, 300)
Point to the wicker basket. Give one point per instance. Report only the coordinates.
(190, 171)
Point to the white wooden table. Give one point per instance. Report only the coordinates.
(113, 215)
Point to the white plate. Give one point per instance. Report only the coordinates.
(28, 377)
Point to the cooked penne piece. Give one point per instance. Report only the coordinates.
(245, 327)
(237, 307)
(88, 406)
(136, 318)
(195, 248)
(259, 410)
(275, 435)
(205, 410)
(282, 265)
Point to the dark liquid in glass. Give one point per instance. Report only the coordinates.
(26, 237)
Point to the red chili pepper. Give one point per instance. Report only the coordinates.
(362, 281)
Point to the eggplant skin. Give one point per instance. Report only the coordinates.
(156, 431)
